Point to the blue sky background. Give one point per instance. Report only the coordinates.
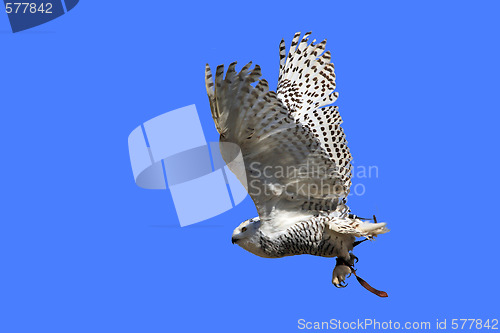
(83, 249)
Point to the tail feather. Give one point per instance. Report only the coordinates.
(373, 229)
(357, 227)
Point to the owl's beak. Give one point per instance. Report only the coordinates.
(234, 240)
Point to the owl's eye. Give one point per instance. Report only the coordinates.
(243, 229)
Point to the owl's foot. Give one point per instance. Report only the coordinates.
(340, 273)
(343, 270)
(352, 260)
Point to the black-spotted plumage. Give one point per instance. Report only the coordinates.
(297, 165)
(308, 237)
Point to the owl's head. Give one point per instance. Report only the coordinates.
(248, 236)
(245, 232)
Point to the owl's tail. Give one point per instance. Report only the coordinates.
(358, 228)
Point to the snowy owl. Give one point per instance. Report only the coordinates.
(297, 166)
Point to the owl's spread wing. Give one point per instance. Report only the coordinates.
(296, 159)
(306, 86)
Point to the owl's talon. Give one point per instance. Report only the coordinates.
(340, 273)
(342, 284)
(354, 259)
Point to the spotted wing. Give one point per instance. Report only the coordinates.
(285, 167)
(306, 87)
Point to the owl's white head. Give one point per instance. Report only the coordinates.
(247, 236)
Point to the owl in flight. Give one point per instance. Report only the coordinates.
(297, 166)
